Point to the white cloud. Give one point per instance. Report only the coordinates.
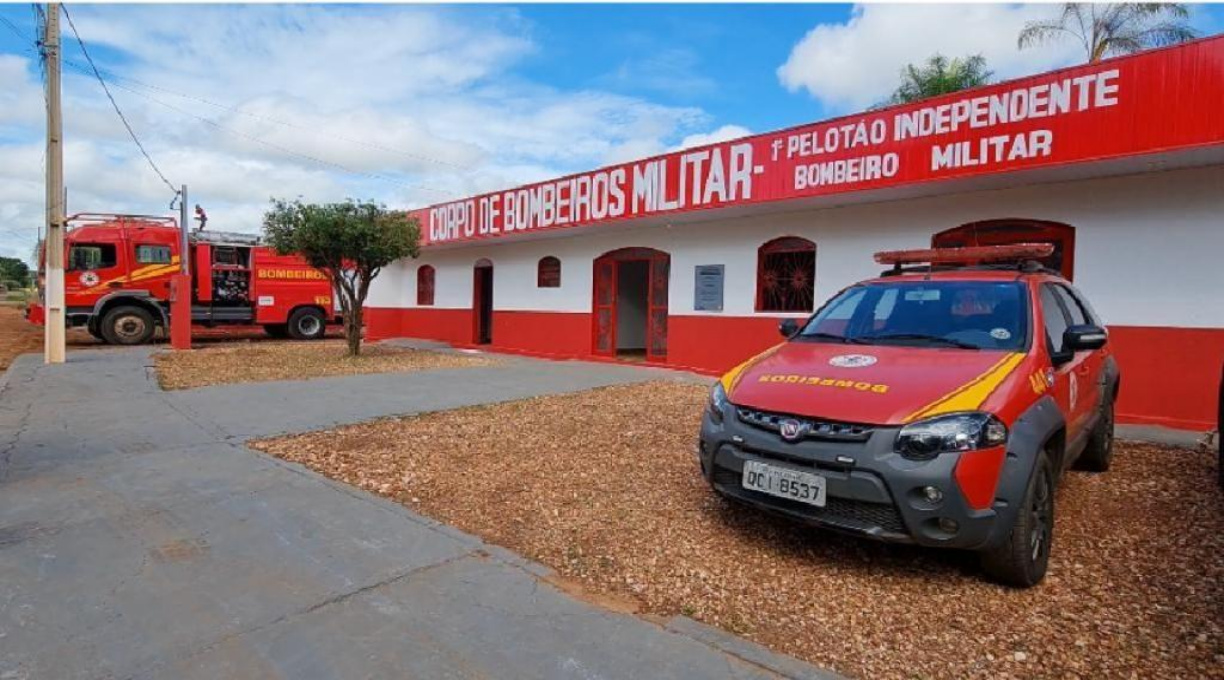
(426, 98)
(722, 134)
(853, 65)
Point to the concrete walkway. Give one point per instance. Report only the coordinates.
(139, 538)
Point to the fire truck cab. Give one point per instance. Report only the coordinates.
(118, 270)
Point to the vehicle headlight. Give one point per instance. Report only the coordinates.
(928, 438)
(718, 401)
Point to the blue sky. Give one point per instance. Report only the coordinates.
(412, 105)
(721, 57)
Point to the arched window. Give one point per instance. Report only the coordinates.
(425, 286)
(548, 272)
(786, 275)
(1007, 231)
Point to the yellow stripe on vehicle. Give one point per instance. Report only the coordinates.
(969, 397)
(731, 378)
(160, 270)
(147, 272)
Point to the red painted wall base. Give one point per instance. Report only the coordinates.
(1170, 376)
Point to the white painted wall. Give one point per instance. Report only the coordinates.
(1149, 249)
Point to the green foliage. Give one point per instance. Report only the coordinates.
(940, 75)
(350, 242)
(13, 269)
(1111, 29)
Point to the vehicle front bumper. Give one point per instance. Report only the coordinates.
(870, 490)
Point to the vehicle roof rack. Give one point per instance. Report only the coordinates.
(116, 217)
(1015, 257)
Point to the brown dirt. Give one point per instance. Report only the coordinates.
(603, 487)
(17, 336)
(243, 362)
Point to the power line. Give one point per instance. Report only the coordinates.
(283, 149)
(277, 121)
(116, 105)
(234, 109)
(13, 27)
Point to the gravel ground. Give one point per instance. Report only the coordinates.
(603, 487)
(242, 362)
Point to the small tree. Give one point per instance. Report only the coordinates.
(350, 242)
(939, 75)
(13, 269)
(1113, 28)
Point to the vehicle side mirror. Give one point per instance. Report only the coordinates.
(1084, 337)
(788, 327)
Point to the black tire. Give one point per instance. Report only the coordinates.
(128, 325)
(307, 323)
(277, 330)
(95, 332)
(1021, 560)
(1099, 452)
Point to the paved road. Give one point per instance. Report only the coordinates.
(139, 538)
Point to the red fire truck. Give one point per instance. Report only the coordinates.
(117, 281)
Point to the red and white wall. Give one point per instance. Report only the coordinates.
(1148, 251)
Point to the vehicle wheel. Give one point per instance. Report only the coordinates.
(307, 324)
(277, 330)
(1099, 451)
(127, 326)
(1022, 559)
(95, 332)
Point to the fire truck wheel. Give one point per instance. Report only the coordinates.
(128, 326)
(307, 324)
(95, 332)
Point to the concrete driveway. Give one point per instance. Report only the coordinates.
(140, 538)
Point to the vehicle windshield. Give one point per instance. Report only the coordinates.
(970, 315)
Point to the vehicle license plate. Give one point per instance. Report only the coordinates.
(804, 487)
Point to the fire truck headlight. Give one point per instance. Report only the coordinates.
(928, 438)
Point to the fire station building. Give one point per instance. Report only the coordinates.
(691, 259)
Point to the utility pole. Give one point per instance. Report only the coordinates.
(53, 340)
(184, 234)
(180, 284)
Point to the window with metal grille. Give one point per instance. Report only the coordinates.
(548, 272)
(786, 275)
(425, 286)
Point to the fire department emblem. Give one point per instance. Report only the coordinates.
(791, 429)
(89, 279)
(852, 360)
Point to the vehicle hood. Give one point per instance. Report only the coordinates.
(876, 385)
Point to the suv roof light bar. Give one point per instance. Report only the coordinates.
(972, 255)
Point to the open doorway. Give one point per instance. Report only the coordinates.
(632, 308)
(630, 319)
(482, 302)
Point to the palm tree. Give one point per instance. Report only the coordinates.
(1113, 28)
(939, 75)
